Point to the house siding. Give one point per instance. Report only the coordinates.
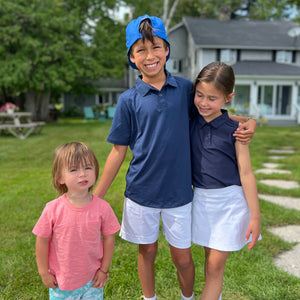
(256, 55)
(207, 56)
(178, 63)
(192, 54)
(297, 60)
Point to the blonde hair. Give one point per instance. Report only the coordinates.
(70, 155)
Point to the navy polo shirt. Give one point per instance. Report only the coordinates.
(155, 125)
(214, 163)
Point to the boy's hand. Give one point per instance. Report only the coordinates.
(99, 280)
(49, 280)
(245, 131)
(254, 228)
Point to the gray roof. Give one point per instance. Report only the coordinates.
(241, 33)
(265, 68)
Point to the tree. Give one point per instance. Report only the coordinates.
(267, 9)
(172, 11)
(45, 46)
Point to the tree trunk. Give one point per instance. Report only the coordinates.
(38, 105)
(168, 15)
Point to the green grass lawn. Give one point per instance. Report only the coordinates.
(26, 187)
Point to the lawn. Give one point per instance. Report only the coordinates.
(26, 187)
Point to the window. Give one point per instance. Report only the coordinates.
(283, 100)
(228, 55)
(265, 99)
(275, 99)
(242, 98)
(174, 65)
(294, 57)
(284, 56)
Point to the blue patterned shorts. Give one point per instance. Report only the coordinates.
(86, 292)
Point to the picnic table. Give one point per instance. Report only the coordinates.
(19, 124)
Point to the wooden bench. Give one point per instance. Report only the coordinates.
(22, 130)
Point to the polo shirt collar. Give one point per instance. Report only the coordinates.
(217, 122)
(145, 88)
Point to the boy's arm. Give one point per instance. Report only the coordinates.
(250, 190)
(101, 275)
(246, 129)
(111, 168)
(41, 251)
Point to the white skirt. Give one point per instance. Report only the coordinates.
(220, 218)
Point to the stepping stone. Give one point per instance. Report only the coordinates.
(272, 171)
(287, 202)
(281, 151)
(283, 184)
(277, 157)
(271, 165)
(289, 233)
(288, 261)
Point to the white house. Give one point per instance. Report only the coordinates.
(265, 56)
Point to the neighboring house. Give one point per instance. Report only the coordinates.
(109, 92)
(265, 56)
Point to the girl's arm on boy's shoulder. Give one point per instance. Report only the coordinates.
(41, 250)
(101, 275)
(250, 190)
(111, 169)
(246, 129)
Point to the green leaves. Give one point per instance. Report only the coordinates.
(43, 45)
(252, 9)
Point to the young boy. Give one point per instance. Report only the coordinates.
(152, 118)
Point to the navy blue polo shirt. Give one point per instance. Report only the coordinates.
(155, 125)
(214, 163)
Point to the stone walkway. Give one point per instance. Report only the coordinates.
(288, 261)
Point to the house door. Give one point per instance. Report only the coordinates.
(283, 100)
(274, 99)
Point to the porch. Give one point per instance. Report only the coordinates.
(273, 94)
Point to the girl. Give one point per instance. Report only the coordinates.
(226, 212)
(72, 259)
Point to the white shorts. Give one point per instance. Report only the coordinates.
(220, 218)
(140, 224)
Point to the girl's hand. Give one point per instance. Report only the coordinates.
(254, 228)
(99, 280)
(49, 280)
(245, 131)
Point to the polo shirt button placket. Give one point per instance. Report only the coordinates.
(160, 105)
(207, 129)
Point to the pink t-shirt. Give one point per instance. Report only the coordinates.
(75, 248)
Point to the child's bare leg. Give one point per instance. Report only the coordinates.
(183, 261)
(146, 258)
(214, 269)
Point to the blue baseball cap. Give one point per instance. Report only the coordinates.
(133, 34)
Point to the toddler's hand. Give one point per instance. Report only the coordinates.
(49, 280)
(99, 280)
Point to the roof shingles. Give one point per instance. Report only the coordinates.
(265, 68)
(242, 33)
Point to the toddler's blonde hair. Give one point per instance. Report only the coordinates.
(70, 155)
